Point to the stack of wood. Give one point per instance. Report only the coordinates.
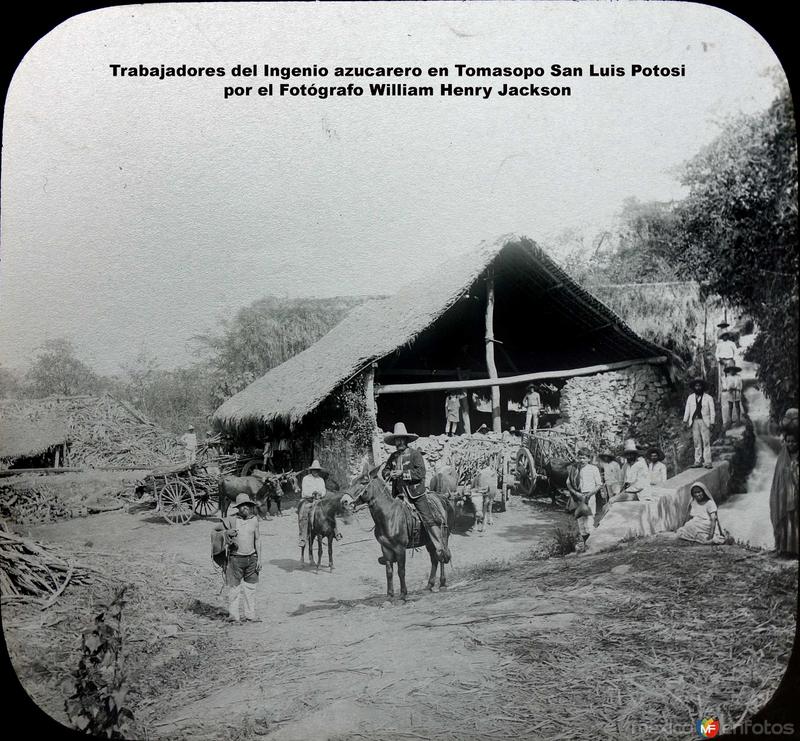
(108, 432)
(29, 570)
(33, 504)
(475, 456)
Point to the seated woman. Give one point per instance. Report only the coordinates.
(703, 520)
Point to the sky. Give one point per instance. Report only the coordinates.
(137, 212)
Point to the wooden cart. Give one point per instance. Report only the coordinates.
(527, 469)
(177, 495)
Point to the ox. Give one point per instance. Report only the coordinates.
(263, 493)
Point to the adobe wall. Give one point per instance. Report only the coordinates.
(667, 511)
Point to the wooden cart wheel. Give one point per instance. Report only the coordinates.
(204, 504)
(250, 466)
(177, 502)
(526, 471)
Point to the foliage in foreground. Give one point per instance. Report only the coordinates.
(96, 704)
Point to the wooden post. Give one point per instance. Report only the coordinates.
(372, 412)
(490, 364)
(57, 457)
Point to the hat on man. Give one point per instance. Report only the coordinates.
(701, 381)
(399, 431)
(733, 369)
(630, 446)
(653, 449)
(606, 453)
(190, 427)
(723, 324)
(789, 423)
(316, 467)
(243, 499)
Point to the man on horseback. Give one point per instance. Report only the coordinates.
(312, 488)
(405, 469)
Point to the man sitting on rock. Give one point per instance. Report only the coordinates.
(635, 476)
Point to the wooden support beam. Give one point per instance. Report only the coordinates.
(409, 388)
(372, 412)
(491, 367)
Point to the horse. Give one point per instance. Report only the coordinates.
(322, 524)
(482, 493)
(396, 526)
(231, 486)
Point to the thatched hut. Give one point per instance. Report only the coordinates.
(31, 436)
(487, 323)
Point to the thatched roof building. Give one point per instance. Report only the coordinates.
(432, 336)
(29, 432)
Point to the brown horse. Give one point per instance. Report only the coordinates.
(322, 524)
(395, 526)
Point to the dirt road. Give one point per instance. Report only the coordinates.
(322, 632)
(613, 644)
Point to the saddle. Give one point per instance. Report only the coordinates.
(416, 528)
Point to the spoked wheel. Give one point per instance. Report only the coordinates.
(177, 502)
(526, 471)
(250, 466)
(204, 504)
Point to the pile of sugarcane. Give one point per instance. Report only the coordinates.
(475, 456)
(31, 504)
(30, 570)
(107, 432)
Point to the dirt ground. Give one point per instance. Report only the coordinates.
(516, 647)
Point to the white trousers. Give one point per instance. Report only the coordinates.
(531, 415)
(702, 441)
(246, 593)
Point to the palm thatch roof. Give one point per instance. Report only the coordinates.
(27, 431)
(378, 328)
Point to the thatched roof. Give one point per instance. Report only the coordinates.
(27, 431)
(377, 328)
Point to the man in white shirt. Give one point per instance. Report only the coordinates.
(533, 405)
(726, 351)
(590, 483)
(699, 416)
(635, 476)
(312, 487)
(189, 442)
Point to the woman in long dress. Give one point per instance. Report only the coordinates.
(703, 519)
(783, 497)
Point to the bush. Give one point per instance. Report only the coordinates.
(96, 705)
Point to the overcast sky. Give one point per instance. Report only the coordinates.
(136, 212)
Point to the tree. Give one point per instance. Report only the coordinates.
(57, 370)
(739, 234)
(265, 334)
(10, 387)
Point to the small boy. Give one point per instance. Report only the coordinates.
(589, 483)
(732, 392)
(452, 407)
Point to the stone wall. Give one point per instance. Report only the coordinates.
(607, 408)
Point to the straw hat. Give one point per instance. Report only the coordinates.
(606, 453)
(657, 451)
(190, 427)
(399, 431)
(733, 369)
(723, 324)
(701, 381)
(630, 446)
(316, 467)
(243, 499)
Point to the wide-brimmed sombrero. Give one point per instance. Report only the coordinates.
(399, 431)
(316, 467)
(723, 324)
(701, 381)
(630, 446)
(733, 369)
(657, 451)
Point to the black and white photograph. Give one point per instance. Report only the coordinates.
(400, 371)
